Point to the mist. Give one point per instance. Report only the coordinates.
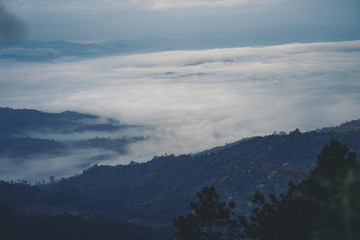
(189, 101)
(42, 167)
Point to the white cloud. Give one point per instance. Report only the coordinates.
(194, 100)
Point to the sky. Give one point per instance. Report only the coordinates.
(297, 65)
(242, 21)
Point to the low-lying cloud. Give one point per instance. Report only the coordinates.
(42, 166)
(194, 100)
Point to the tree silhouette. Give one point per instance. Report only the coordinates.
(210, 218)
(326, 205)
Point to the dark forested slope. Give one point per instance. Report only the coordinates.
(160, 189)
(155, 192)
(16, 225)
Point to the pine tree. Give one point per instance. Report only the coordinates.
(210, 219)
(326, 205)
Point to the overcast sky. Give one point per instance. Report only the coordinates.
(241, 20)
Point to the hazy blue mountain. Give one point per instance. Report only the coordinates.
(18, 121)
(55, 50)
(49, 51)
(27, 132)
(155, 192)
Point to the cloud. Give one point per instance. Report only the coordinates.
(40, 167)
(193, 100)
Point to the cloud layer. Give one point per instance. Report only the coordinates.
(194, 100)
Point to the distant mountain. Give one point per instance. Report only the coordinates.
(153, 193)
(55, 50)
(52, 51)
(26, 133)
(17, 121)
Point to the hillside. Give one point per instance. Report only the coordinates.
(20, 122)
(76, 139)
(153, 193)
(160, 189)
(18, 225)
(19, 126)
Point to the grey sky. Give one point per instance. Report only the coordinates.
(241, 20)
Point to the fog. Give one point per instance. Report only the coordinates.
(189, 101)
(42, 167)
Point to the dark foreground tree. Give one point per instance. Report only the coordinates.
(326, 205)
(210, 219)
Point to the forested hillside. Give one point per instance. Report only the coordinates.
(16, 225)
(26, 133)
(324, 205)
(155, 192)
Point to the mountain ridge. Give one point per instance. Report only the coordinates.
(28, 136)
(153, 193)
(236, 171)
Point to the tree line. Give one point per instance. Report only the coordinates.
(324, 205)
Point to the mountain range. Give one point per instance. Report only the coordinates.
(72, 141)
(28, 132)
(151, 194)
(55, 51)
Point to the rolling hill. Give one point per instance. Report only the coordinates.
(151, 194)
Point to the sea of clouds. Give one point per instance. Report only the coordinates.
(190, 101)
